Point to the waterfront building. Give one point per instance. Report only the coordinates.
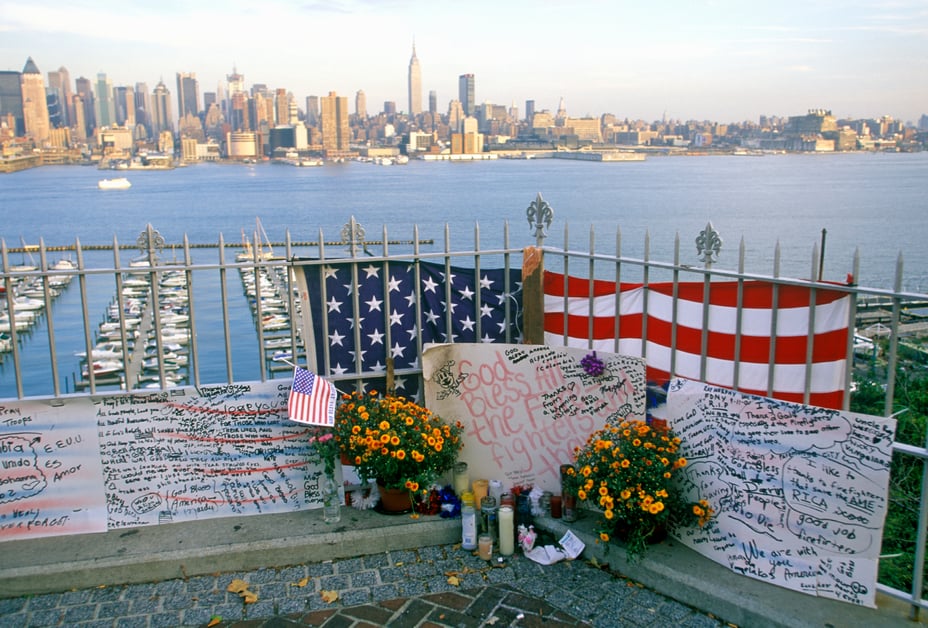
(11, 100)
(312, 111)
(124, 105)
(336, 133)
(242, 145)
(104, 108)
(161, 115)
(586, 129)
(188, 94)
(415, 85)
(60, 81)
(466, 91)
(455, 115)
(143, 110)
(35, 105)
(84, 88)
(815, 121)
(360, 104)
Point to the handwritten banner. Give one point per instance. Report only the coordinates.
(216, 451)
(526, 408)
(50, 472)
(800, 492)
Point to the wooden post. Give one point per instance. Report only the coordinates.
(533, 306)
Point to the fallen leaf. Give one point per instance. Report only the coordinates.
(329, 596)
(492, 621)
(215, 620)
(249, 597)
(451, 573)
(398, 564)
(594, 562)
(414, 516)
(454, 581)
(302, 583)
(237, 586)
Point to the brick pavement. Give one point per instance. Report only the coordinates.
(430, 586)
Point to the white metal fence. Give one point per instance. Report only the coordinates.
(160, 313)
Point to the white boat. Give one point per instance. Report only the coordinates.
(119, 183)
(6, 342)
(103, 351)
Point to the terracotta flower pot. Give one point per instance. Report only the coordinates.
(394, 500)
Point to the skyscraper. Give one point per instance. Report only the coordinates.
(104, 108)
(11, 99)
(360, 104)
(161, 115)
(60, 80)
(35, 106)
(188, 94)
(124, 103)
(336, 134)
(466, 93)
(84, 89)
(433, 102)
(143, 107)
(312, 111)
(415, 85)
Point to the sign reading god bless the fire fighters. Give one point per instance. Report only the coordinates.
(525, 408)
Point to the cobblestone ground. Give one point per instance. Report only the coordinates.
(430, 586)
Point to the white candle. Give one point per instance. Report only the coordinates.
(506, 531)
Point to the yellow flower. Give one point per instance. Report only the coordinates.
(603, 537)
(625, 494)
(581, 494)
(384, 426)
(625, 463)
(608, 513)
(603, 490)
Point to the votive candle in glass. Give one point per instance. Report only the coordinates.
(507, 542)
(485, 546)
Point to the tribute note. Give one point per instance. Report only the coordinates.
(50, 473)
(800, 492)
(215, 451)
(526, 408)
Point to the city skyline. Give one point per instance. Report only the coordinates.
(720, 60)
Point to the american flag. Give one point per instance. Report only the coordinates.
(401, 306)
(829, 349)
(312, 399)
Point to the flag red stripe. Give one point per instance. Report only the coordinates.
(755, 317)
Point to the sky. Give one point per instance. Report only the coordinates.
(719, 60)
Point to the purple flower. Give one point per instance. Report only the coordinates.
(592, 365)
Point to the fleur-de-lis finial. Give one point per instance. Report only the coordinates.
(708, 245)
(539, 215)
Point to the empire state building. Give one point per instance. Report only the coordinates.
(415, 85)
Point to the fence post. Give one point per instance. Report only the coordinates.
(539, 215)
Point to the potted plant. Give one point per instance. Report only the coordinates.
(402, 445)
(626, 472)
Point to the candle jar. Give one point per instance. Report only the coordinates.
(461, 480)
(481, 490)
(544, 502)
(489, 517)
(555, 506)
(485, 546)
(507, 541)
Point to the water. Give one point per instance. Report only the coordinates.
(874, 203)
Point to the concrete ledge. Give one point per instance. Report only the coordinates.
(178, 550)
(678, 572)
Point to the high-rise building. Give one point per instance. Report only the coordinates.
(415, 85)
(466, 93)
(60, 81)
(335, 131)
(529, 110)
(161, 115)
(281, 106)
(35, 105)
(11, 99)
(143, 108)
(455, 115)
(83, 87)
(104, 108)
(360, 104)
(236, 85)
(312, 111)
(433, 102)
(124, 104)
(188, 94)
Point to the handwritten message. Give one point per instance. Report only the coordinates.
(800, 492)
(215, 451)
(50, 472)
(525, 408)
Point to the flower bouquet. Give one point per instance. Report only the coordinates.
(626, 471)
(395, 441)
